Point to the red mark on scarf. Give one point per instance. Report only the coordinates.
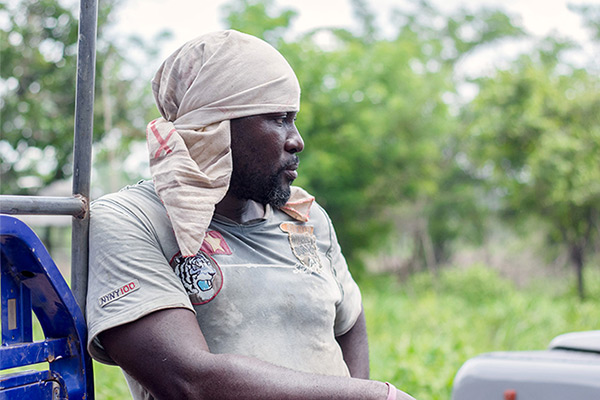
(163, 142)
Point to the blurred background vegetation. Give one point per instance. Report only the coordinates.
(424, 167)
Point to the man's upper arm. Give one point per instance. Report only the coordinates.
(355, 348)
(129, 275)
(163, 351)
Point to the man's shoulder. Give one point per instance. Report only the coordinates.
(144, 189)
(135, 217)
(132, 199)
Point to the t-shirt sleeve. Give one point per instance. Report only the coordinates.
(350, 305)
(129, 275)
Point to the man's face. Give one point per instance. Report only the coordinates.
(263, 149)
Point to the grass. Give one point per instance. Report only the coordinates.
(423, 329)
(109, 383)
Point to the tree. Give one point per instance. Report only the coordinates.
(38, 54)
(591, 18)
(259, 18)
(38, 49)
(376, 117)
(535, 130)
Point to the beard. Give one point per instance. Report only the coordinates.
(266, 189)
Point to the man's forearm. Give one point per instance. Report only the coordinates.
(239, 377)
(166, 353)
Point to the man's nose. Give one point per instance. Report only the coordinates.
(294, 142)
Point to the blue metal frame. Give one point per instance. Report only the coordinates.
(31, 281)
(33, 385)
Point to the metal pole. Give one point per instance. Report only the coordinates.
(40, 205)
(82, 148)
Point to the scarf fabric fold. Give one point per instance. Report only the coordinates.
(198, 90)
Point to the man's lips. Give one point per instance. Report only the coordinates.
(291, 169)
(291, 174)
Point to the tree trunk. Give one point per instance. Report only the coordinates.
(428, 252)
(576, 252)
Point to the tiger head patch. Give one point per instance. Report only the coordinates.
(201, 276)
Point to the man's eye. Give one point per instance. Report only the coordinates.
(279, 120)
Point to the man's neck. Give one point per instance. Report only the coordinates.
(239, 210)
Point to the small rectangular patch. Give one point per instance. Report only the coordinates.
(119, 293)
(12, 314)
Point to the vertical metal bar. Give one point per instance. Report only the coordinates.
(82, 148)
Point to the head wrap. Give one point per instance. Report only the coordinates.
(198, 89)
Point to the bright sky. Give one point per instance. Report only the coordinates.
(189, 19)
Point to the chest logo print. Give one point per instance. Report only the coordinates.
(304, 246)
(214, 243)
(201, 276)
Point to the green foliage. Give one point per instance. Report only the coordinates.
(109, 383)
(469, 30)
(38, 48)
(38, 54)
(379, 116)
(377, 121)
(257, 18)
(421, 331)
(534, 133)
(591, 17)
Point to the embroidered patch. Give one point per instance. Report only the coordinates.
(201, 276)
(304, 246)
(119, 293)
(214, 243)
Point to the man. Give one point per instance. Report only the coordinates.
(219, 279)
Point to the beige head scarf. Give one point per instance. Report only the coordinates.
(198, 89)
